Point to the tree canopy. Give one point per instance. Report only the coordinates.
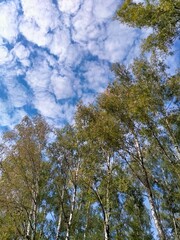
(162, 16)
(115, 172)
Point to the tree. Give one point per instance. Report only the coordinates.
(160, 15)
(24, 175)
(65, 174)
(142, 101)
(105, 175)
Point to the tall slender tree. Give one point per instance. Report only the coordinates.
(24, 173)
(142, 101)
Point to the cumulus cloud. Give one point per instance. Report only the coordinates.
(22, 54)
(48, 85)
(74, 55)
(8, 20)
(97, 75)
(86, 29)
(62, 86)
(53, 53)
(104, 9)
(38, 76)
(119, 39)
(60, 43)
(4, 55)
(16, 93)
(46, 104)
(68, 6)
(38, 20)
(8, 118)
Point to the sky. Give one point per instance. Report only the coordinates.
(54, 53)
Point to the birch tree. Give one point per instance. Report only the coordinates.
(162, 16)
(23, 180)
(140, 100)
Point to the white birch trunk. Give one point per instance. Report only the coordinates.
(28, 228)
(107, 211)
(147, 185)
(106, 228)
(73, 202)
(60, 217)
(155, 217)
(71, 214)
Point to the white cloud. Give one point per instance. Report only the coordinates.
(138, 1)
(97, 76)
(22, 53)
(4, 55)
(38, 19)
(46, 82)
(74, 55)
(68, 112)
(1, 40)
(119, 38)
(69, 6)
(62, 86)
(104, 9)
(46, 104)
(18, 97)
(66, 60)
(88, 98)
(38, 77)
(60, 43)
(8, 21)
(8, 118)
(89, 21)
(16, 93)
(109, 40)
(83, 22)
(34, 33)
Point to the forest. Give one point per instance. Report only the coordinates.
(114, 173)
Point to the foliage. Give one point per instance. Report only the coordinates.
(117, 168)
(160, 15)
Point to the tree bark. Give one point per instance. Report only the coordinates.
(106, 228)
(71, 214)
(107, 211)
(73, 202)
(147, 185)
(155, 217)
(60, 216)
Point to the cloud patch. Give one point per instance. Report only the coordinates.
(53, 55)
(9, 20)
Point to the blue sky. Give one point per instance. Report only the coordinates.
(54, 53)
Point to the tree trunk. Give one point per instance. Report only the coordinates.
(73, 202)
(147, 185)
(60, 216)
(106, 228)
(107, 211)
(155, 217)
(28, 228)
(71, 214)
